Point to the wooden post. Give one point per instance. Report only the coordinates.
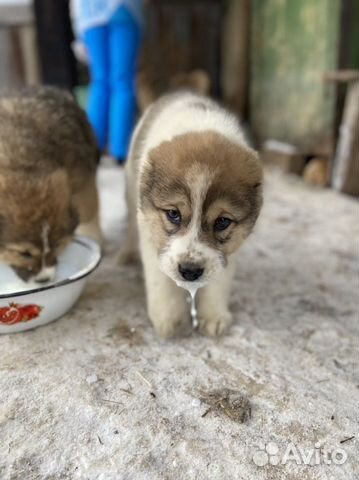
(235, 56)
(345, 176)
(54, 33)
(30, 58)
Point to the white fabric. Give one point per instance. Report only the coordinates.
(91, 13)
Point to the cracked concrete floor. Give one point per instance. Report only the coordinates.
(96, 395)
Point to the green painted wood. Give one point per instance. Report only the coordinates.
(293, 43)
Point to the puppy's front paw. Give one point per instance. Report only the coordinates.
(215, 324)
(172, 325)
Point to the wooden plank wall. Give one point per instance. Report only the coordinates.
(182, 36)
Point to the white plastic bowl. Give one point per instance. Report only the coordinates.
(24, 306)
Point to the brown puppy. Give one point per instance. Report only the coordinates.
(194, 194)
(48, 158)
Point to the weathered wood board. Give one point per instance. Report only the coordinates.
(346, 164)
(293, 43)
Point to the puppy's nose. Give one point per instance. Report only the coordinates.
(190, 271)
(43, 280)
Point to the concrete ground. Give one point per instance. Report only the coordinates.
(96, 395)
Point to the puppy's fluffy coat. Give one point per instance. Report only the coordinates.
(48, 158)
(194, 186)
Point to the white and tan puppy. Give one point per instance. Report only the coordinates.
(194, 194)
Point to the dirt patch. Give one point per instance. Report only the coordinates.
(122, 333)
(231, 403)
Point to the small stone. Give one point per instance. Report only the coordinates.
(196, 402)
(91, 378)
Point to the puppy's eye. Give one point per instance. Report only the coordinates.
(26, 254)
(221, 224)
(174, 216)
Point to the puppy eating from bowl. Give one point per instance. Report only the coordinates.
(193, 194)
(48, 159)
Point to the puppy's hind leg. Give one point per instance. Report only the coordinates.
(87, 203)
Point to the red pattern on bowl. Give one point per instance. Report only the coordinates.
(16, 313)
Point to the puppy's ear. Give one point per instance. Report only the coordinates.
(196, 80)
(250, 164)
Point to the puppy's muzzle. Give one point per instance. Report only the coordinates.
(190, 271)
(45, 275)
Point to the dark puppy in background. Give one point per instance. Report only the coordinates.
(48, 158)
